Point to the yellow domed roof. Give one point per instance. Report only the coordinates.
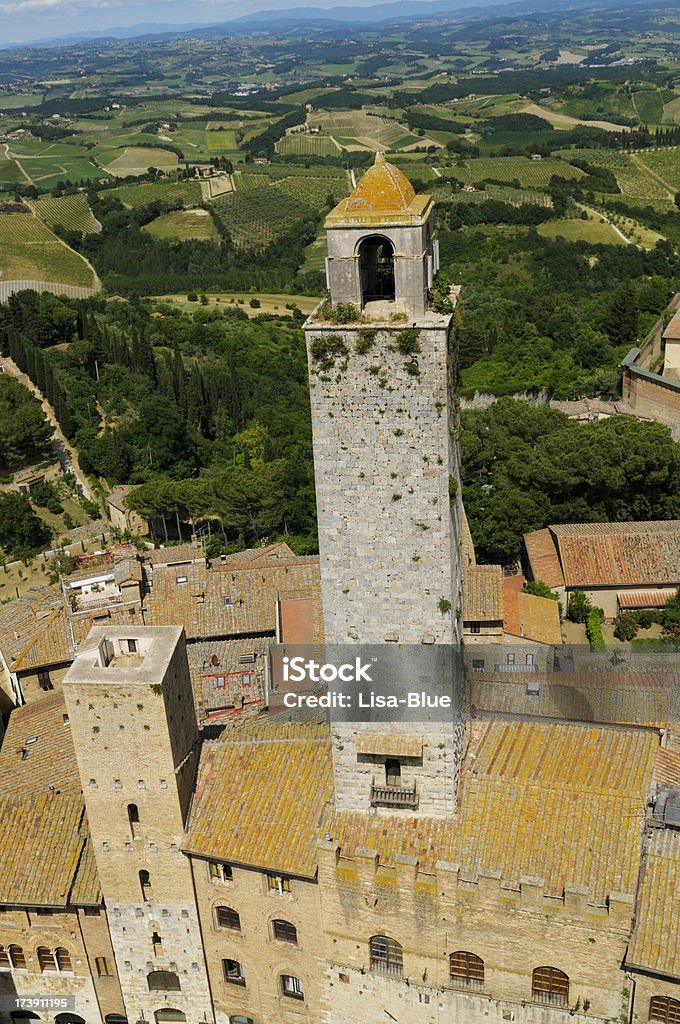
(382, 189)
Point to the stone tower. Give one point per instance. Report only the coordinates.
(384, 416)
(134, 727)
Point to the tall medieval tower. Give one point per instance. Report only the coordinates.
(131, 710)
(384, 412)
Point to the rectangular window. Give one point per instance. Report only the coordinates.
(475, 627)
(44, 681)
(102, 965)
(219, 872)
(530, 659)
(277, 883)
(292, 986)
(181, 579)
(92, 911)
(511, 659)
(478, 664)
(132, 646)
(233, 972)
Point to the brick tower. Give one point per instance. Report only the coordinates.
(384, 412)
(134, 727)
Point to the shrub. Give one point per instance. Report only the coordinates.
(625, 627)
(579, 607)
(594, 629)
(255, 304)
(444, 605)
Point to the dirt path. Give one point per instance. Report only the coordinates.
(14, 160)
(68, 457)
(96, 283)
(603, 216)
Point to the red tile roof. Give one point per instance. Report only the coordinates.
(619, 554)
(543, 558)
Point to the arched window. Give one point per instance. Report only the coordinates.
(548, 985)
(23, 1015)
(466, 969)
(163, 981)
(166, 1014)
(386, 955)
(145, 884)
(376, 269)
(284, 931)
(46, 960)
(11, 958)
(63, 958)
(68, 1018)
(664, 1010)
(292, 987)
(228, 918)
(114, 1018)
(133, 818)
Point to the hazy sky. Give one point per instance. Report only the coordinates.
(24, 20)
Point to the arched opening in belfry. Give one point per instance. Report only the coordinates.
(376, 269)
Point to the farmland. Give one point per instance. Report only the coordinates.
(307, 145)
(357, 130)
(636, 174)
(183, 224)
(137, 159)
(45, 164)
(72, 212)
(255, 216)
(577, 230)
(529, 173)
(186, 192)
(30, 251)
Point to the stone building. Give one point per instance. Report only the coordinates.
(522, 866)
(386, 472)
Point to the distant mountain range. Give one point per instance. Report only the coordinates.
(271, 21)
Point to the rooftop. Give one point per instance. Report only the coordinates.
(655, 944)
(562, 803)
(483, 593)
(383, 194)
(606, 554)
(45, 852)
(528, 615)
(262, 799)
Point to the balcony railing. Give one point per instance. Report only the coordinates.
(551, 998)
(394, 796)
(387, 967)
(468, 984)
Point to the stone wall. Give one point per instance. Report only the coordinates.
(513, 930)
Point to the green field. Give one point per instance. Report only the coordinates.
(633, 172)
(665, 164)
(188, 192)
(72, 212)
(10, 174)
(223, 142)
(514, 196)
(307, 145)
(137, 160)
(183, 224)
(313, 191)
(256, 216)
(529, 173)
(30, 251)
(575, 230)
(47, 163)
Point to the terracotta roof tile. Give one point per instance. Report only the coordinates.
(529, 616)
(543, 558)
(564, 803)
(483, 593)
(619, 554)
(261, 799)
(45, 851)
(655, 944)
(608, 697)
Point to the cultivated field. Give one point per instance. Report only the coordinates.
(257, 215)
(355, 129)
(529, 173)
(46, 163)
(183, 224)
(514, 196)
(634, 173)
(72, 212)
(307, 145)
(137, 159)
(30, 251)
(575, 230)
(187, 192)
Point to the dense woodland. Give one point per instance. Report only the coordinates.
(209, 415)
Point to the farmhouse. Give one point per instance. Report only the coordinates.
(618, 565)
